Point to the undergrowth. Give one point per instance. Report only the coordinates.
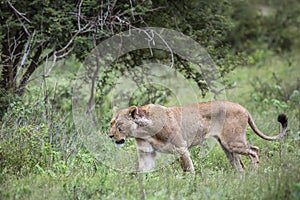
(33, 166)
(41, 156)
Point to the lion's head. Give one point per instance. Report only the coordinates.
(123, 124)
(137, 122)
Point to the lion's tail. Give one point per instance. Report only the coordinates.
(282, 118)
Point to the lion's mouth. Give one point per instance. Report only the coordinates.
(120, 141)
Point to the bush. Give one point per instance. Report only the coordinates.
(277, 93)
(265, 25)
(30, 140)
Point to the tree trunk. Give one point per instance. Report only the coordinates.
(9, 87)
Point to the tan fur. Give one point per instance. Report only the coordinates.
(175, 129)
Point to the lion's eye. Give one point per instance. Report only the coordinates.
(118, 125)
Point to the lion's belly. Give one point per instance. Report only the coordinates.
(160, 145)
(167, 148)
(194, 135)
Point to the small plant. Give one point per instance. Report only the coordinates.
(277, 94)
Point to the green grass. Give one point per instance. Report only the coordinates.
(81, 176)
(243, 76)
(276, 179)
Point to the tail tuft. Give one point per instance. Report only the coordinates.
(282, 118)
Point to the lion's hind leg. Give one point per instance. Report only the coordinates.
(254, 156)
(234, 159)
(248, 150)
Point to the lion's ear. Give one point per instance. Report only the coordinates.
(133, 111)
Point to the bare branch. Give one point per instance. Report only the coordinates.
(79, 15)
(18, 12)
(131, 8)
(22, 15)
(64, 51)
(94, 77)
(151, 34)
(167, 45)
(55, 58)
(27, 49)
(72, 39)
(31, 68)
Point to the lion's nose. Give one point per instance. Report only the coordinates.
(120, 141)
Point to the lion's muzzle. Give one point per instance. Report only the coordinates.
(122, 141)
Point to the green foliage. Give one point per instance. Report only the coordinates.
(38, 32)
(207, 22)
(276, 93)
(41, 156)
(272, 181)
(26, 141)
(26, 172)
(23, 150)
(265, 25)
(51, 28)
(208, 157)
(30, 143)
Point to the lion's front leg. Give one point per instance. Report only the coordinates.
(146, 161)
(186, 161)
(146, 155)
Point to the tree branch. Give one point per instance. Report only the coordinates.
(32, 67)
(27, 48)
(19, 14)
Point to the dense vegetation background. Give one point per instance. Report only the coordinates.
(255, 45)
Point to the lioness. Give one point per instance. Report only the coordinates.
(175, 129)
